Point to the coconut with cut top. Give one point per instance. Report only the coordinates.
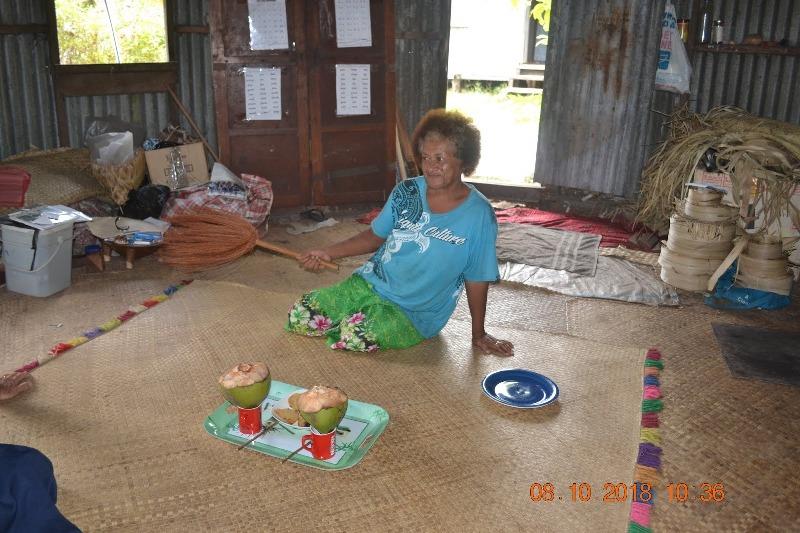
(246, 384)
(322, 407)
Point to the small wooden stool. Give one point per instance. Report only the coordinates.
(131, 253)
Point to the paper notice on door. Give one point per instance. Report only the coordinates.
(352, 90)
(262, 93)
(267, 20)
(353, 27)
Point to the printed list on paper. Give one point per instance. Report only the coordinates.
(262, 93)
(353, 27)
(352, 90)
(268, 25)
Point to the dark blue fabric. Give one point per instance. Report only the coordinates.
(28, 493)
(726, 295)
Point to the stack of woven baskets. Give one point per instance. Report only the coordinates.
(763, 266)
(700, 237)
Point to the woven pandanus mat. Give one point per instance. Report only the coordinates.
(715, 428)
(121, 417)
(518, 306)
(60, 176)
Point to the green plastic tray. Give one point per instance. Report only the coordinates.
(365, 421)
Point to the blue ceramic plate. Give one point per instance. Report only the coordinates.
(520, 388)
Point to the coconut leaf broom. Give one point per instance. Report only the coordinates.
(206, 239)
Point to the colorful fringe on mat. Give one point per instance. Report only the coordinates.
(648, 463)
(62, 347)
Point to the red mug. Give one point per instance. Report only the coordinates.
(321, 445)
(250, 420)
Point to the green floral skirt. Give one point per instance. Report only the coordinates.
(352, 317)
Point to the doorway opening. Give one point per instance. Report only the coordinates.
(496, 71)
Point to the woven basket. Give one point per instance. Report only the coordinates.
(119, 180)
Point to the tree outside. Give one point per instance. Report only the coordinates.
(111, 31)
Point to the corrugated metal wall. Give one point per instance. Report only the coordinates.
(597, 95)
(151, 110)
(195, 86)
(27, 106)
(26, 97)
(765, 85)
(422, 32)
(597, 121)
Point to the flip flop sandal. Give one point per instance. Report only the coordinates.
(314, 214)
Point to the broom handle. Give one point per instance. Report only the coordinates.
(191, 121)
(290, 253)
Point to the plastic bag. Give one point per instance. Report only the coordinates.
(113, 148)
(674, 69)
(146, 201)
(726, 295)
(112, 124)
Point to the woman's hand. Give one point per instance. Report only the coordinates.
(14, 383)
(489, 344)
(311, 260)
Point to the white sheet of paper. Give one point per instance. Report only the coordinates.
(262, 93)
(353, 27)
(268, 25)
(352, 90)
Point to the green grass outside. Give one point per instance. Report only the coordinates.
(509, 125)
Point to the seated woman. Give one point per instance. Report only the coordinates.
(434, 237)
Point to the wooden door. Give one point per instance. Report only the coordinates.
(352, 157)
(274, 149)
(311, 155)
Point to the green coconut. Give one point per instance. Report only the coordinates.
(322, 407)
(249, 396)
(325, 420)
(246, 384)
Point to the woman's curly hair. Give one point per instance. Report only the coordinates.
(455, 127)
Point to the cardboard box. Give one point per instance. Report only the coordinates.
(159, 164)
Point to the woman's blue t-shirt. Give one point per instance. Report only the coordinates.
(427, 256)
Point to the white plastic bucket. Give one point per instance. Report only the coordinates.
(37, 264)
